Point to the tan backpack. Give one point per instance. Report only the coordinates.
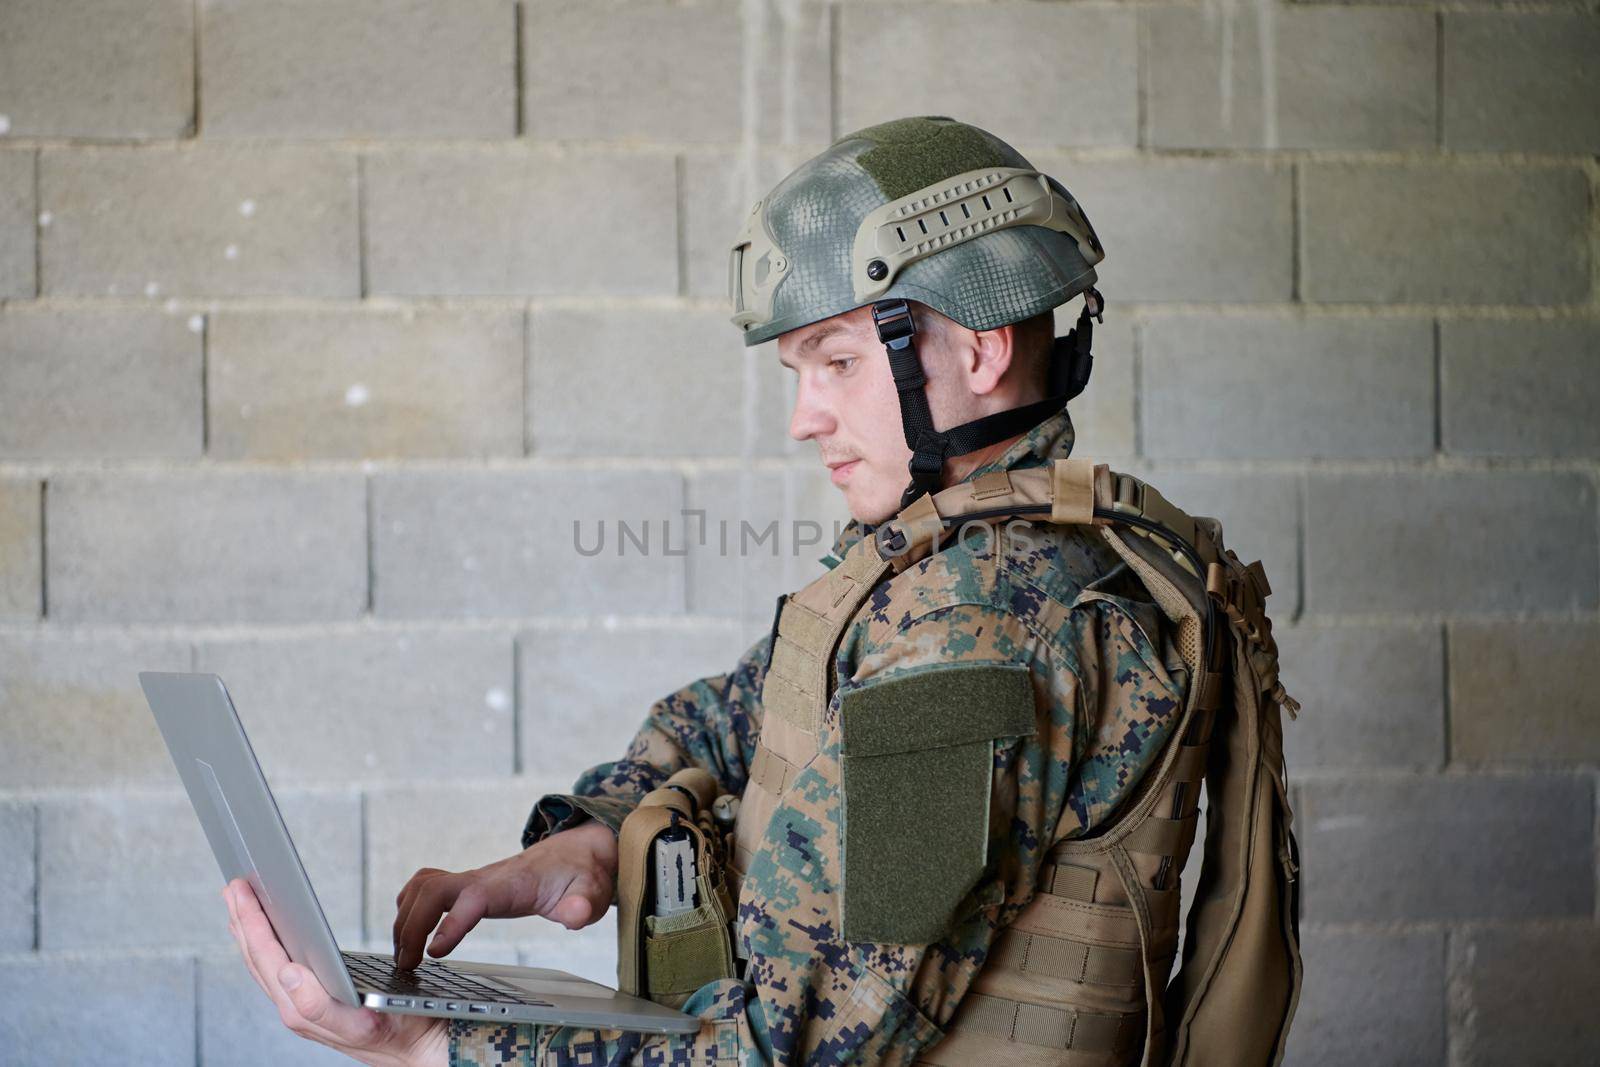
(1081, 976)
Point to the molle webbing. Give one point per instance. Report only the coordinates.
(1035, 1024)
(798, 680)
(771, 771)
(1061, 957)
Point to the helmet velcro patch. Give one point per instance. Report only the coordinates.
(911, 154)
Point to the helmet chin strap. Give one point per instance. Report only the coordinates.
(1070, 364)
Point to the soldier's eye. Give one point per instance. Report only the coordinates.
(842, 364)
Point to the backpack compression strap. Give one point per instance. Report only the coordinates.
(1071, 363)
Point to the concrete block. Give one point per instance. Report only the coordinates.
(193, 221)
(361, 68)
(1373, 696)
(372, 706)
(1417, 543)
(588, 953)
(352, 383)
(1260, 516)
(259, 546)
(520, 542)
(588, 82)
(1440, 233)
(718, 189)
(937, 65)
(85, 384)
(453, 828)
(21, 548)
(147, 851)
(578, 709)
(1522, 81)
(1524, 995)
(18, 223)
(1370, 998)
(239, 1024)
(1338, 77)
(17, 878)
(514, 221)
(143, 1008)
(685, 393)
(1447, 848)
(1187, 230)
(1524, 691)
(763, 533)
(1300, 388)
(790, 92)
(87, 68)
(72, 713)
(1103, 415)
(1539, 403)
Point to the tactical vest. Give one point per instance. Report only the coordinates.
(1080, 978)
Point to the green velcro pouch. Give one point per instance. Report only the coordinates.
(917, 756)
(685, 951)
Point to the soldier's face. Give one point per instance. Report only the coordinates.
(846, 403)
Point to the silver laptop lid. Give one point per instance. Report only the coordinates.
(230, 795)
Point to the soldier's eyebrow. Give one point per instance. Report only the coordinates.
(810, 343)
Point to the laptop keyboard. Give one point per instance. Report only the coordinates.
(430, 979)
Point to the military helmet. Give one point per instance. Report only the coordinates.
(926, 209)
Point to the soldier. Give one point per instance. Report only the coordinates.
(935, 724)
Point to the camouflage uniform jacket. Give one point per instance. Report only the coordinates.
(1106, 694)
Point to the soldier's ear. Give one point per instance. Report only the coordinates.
(989, 358)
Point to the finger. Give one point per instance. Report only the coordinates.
(325, 1017)
(408, 900)
(408, 894)
(583, 902)
(231, 894)
(430, 903)
(244, 953)
(469, 908)
(264, 954)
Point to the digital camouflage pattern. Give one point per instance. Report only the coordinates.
(1107, 691)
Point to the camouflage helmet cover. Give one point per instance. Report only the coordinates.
(925, 209)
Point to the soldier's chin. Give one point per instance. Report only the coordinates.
(869, 503)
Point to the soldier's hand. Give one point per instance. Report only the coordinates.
(568, 877)
(305, 1007)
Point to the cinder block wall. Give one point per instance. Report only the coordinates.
(321, 324)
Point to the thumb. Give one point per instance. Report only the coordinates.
(360, 1028)
(573, 912)
(305, 998)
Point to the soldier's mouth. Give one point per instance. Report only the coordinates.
(840, 472)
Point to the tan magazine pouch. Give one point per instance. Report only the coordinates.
(667, 958)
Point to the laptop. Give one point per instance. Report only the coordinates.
(248, 836)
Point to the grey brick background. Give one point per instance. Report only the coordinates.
(353, 351)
